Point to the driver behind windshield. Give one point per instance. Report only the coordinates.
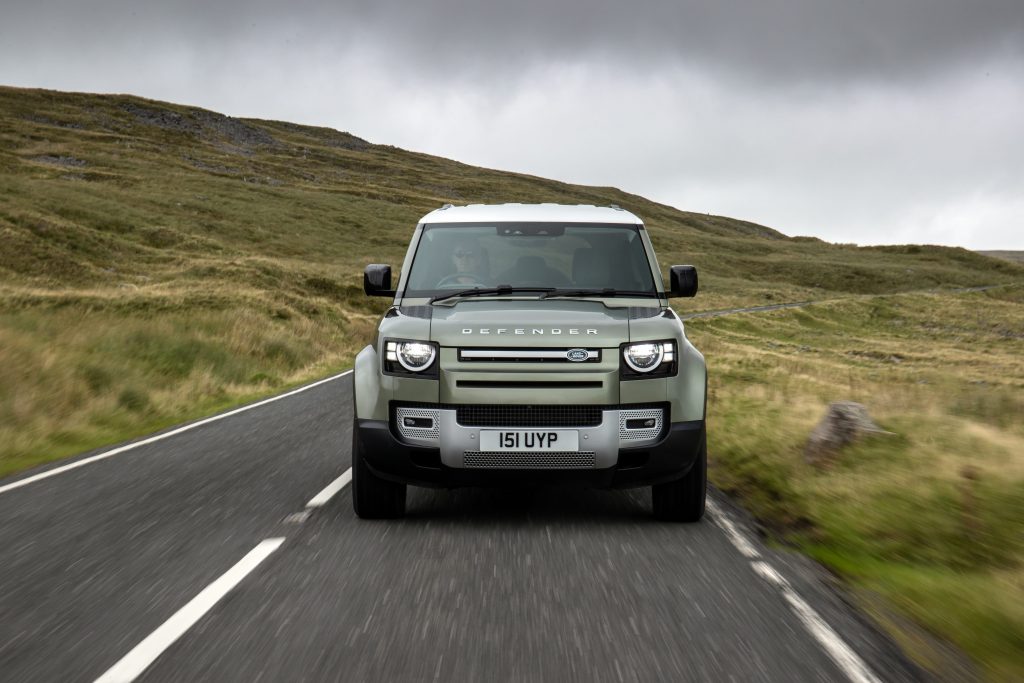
(468, 264)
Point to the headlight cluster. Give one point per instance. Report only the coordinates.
(407, 357)
(648, 359)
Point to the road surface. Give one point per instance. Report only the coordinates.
(227, 550)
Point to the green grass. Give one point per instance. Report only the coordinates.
(161, 262)
(84, 378)
(931, 517)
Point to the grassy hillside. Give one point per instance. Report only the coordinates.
(100, 191)
(161, 261)
(1013, 256)
(927, 521)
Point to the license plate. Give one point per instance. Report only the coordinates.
(529, 440)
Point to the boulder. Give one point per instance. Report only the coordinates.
(844, 423)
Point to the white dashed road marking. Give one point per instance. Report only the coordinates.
(145, 653)
(738, 539)
(842, 654)
(322, 498)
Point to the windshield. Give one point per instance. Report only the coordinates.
(452, 257)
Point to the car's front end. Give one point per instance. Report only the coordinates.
(558, 379)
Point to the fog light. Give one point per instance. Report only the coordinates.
(641, 423)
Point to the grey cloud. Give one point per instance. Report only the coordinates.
(871, 165)
(864, 121)
(770, 40)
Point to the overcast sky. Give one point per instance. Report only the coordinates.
(870, 121)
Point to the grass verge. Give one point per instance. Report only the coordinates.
(106, 375)
(931, 517)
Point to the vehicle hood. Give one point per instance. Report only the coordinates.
(552, 322)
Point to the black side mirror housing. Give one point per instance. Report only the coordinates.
(377, 280)
(684, 281)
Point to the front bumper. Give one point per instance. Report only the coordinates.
(396, 458)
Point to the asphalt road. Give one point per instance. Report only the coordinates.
(113, 560)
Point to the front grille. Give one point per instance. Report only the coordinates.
(519, 384)
(528, 416)
(510, 415)
(521, 355)
(553, 460)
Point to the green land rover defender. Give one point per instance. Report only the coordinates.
(530, 344)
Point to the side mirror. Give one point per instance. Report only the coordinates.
(684, 281)
(377, 280)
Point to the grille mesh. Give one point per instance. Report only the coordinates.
(640, 434)
(417, 432)
(528, 416)
(491, 415)
(552, 460)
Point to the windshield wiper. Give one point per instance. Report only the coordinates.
(491, 291)
(596, 292)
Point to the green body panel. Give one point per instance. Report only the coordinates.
(652, 260)
(413, 389)
(371, 398)
(645, 391)
(687, 392)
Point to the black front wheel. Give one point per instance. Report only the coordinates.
(682, 500)
(373, 497)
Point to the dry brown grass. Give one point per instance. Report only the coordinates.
(930, 518)
(93, 367)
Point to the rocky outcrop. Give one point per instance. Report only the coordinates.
(844, 423)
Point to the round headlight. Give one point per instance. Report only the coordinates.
(415, 356)
(644, 357)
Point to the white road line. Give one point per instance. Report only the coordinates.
(738, 539)
(842, 654)
(845, 658)
(322, 498)
(159, 437)
(145, 653)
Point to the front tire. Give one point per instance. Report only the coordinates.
(373, 497)
(683, 500)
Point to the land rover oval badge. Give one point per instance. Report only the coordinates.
(577, 355)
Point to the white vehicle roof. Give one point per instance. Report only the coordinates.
(530, 213)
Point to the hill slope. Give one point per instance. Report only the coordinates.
(94, 183)
(1014, 256)
(161, 260)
